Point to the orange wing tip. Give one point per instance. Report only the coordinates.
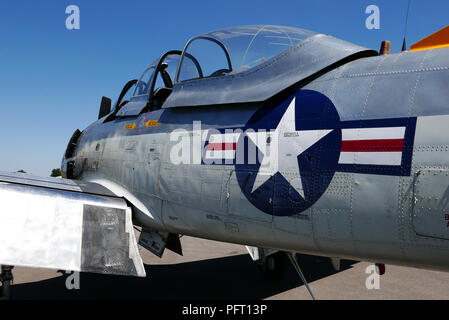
(439, 39)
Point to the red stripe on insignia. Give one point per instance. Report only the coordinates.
(222, 146)
(386, 145)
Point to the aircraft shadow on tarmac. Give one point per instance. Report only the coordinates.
(233, 277)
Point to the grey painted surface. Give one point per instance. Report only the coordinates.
(360, 216)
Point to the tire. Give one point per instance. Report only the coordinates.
(5, 290)
(270, 267)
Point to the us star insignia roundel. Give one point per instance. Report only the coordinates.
(287, 154)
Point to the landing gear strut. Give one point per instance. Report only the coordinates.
(6, 278)
(295, 264)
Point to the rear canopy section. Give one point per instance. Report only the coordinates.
(64, 224)
(253, 63)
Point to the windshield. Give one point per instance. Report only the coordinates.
(210, 56)
(143, 85)
(246, 46)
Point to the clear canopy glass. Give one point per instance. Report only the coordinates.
(226, 51)
(233, 50)
(143, 85)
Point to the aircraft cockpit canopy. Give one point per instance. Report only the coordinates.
(171, 61)
(237, 65)
(225, 51)
(236, 49)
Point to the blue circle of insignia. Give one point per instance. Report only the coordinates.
(277, 195)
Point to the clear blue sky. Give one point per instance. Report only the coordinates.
(52, 79)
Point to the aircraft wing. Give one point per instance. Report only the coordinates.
(66, 224)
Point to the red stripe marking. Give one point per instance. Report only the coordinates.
(381, 145)
(222, 146)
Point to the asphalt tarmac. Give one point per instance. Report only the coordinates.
(216, 270)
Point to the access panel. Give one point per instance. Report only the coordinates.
(431, 203)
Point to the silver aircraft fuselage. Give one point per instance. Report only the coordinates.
(388, 203)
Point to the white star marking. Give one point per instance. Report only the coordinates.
(285, 144)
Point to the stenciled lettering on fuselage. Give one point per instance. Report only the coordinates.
(287, 154)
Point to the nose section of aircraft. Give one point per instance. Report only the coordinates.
(67, 160)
